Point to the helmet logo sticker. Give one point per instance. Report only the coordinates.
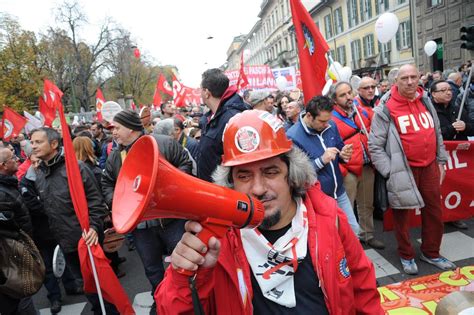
(271, 120)
(247, 139)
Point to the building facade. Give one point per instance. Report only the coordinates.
(348, 27)
(271, 40)
(440, 21)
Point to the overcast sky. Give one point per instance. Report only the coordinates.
(170, 31)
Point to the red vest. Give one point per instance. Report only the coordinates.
(351, 132)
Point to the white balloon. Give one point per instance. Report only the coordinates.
(327, 86)
(345, 73)
(430, 48)
(386, 27)
(355, 82)
(281, 83)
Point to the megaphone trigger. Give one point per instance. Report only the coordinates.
(210, 227)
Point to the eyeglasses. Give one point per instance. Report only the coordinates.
(368, 87)
(444, 90)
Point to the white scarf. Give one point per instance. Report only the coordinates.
(274, 265)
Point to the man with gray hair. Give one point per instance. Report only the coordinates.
(312, 248)
(353, 123)
(262, 100)
(455, 81)
(414, 168)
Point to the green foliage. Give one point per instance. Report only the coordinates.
(20, 75)
(76, 67)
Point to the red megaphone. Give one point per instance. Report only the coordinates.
(148, 187)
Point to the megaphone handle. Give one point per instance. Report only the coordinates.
(209, 229)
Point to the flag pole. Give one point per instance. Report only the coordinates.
(360, 118)
(466, 90)
(96, 279)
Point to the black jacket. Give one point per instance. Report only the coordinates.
(210, 145)
(53, 188)
(469, 103)
(41, 232)
(447, 115)
(169, 148)
(11, 201)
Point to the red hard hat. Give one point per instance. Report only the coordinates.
(253, 135)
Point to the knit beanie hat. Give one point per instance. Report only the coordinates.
(129, 119)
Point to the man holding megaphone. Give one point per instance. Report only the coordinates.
(153, 238)
(304, 256)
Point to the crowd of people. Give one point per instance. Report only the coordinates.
(311, 164)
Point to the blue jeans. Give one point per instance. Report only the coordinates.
(51, 283)
(345, 204)
(152, 243)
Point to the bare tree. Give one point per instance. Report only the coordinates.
(88, 58)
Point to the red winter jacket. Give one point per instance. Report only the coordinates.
(370, 110)
(331, 244)
(350, 132)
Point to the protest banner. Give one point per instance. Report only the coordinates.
(457, 193)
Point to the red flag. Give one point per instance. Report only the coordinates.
(242, 81)
(99, 101)
(48, 113)
(179, 93)
(164, 86)
(312, 50)
(52, 94)
(110, 286)
(12, 123)
(133, 106)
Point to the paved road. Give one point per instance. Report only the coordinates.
(458, 246)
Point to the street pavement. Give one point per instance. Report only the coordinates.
(457, 245)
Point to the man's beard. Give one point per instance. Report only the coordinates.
(271, 220)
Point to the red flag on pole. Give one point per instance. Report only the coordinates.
(179, 93)
(12, 123)
(164, 86)
(48, 113)
(312, 49)
(99, 101)
(242, 81)
(109, 284)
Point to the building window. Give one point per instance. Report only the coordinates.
(356, 55)
(381, 6)
(328, 26)
(384, 50)
(368, 45)
(401, 1)
(341, 55)
(404, 35)
(365, 10)
(352, 12)
(339, 26)
(331, 53)
(433, 3)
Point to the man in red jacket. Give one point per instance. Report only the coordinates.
(353, 123)
(303, 258)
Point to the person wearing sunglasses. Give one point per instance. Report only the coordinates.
(366, 95)
(452, 128)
